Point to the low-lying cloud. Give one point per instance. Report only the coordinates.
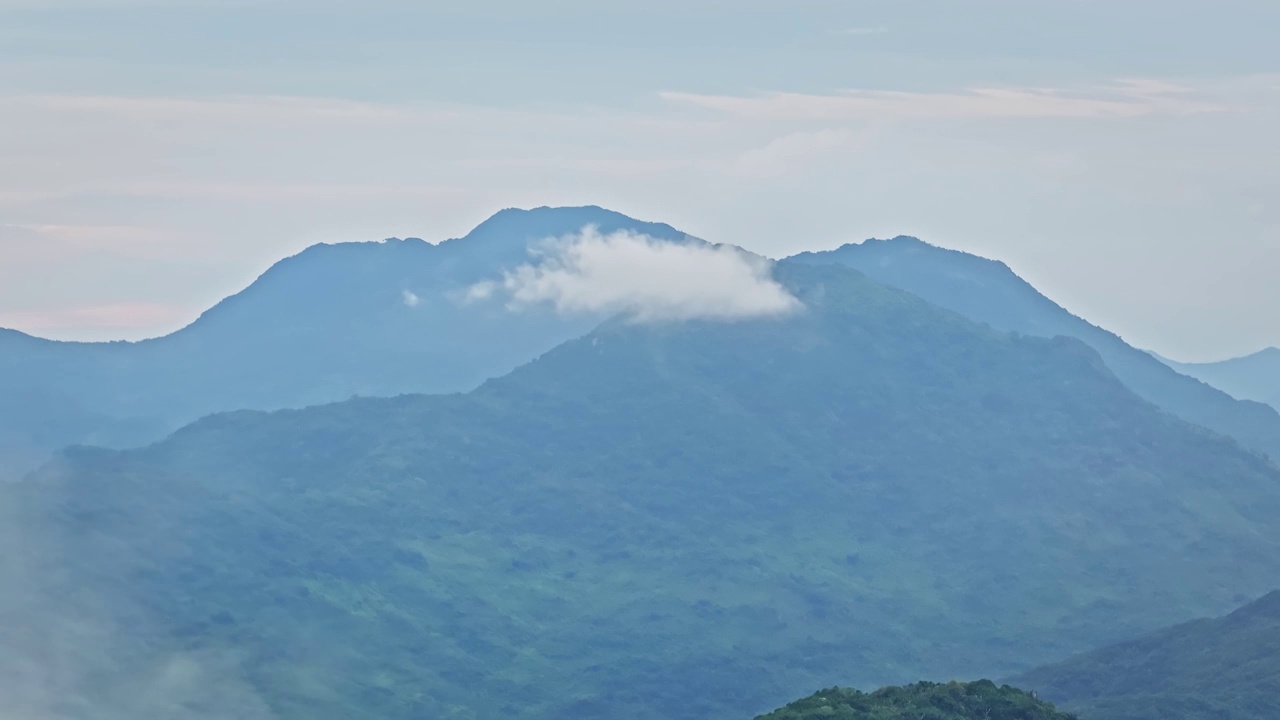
(642, 278)
(76, 641)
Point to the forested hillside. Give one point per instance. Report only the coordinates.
(987, 291)
(1226, 668)
(981, 700)
(669, 520)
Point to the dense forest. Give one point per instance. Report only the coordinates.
(981, 700)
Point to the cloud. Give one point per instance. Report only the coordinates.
(643, 278)
(411, 299)
(1127, 98)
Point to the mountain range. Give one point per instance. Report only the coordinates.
(924, 469)
(692, 519)
(1252, 377)
(385, 318)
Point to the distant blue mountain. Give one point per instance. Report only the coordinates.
(369, 318)
(1252, 377)
(988, 291)
(384, 318)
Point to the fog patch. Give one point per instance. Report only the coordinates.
(75, 640)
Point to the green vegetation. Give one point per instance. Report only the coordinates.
(980, 700)
(693, 520)
(987, 291)
(1226, 669)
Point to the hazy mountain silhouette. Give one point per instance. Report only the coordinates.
(988, 291)
(374, 318)
(1252, 377)
(1226, 668)
(674, 520)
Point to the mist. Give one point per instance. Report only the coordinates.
(78, 642)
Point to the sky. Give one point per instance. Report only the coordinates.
(156, 156)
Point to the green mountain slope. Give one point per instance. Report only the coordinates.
(331, 322)
(1252, 377)
(987, 291)
(1226, 668)
(980, 700)
(693, 520)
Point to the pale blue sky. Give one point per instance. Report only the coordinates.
(156, 156)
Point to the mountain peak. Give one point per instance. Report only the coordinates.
(520, 226)
(989, 291)
(905, 240)
(885, 249)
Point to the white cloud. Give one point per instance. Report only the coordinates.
(411, 299)
(480, 291)
(646, 279)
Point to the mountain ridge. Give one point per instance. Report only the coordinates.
(329, 322)
(989, 291)
(1251, 377)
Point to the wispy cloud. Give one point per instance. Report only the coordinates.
(1129, 98)
(646, 279)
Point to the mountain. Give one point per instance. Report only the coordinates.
(1226, 668)
(980, 700)
(669, 520)
(379, 318)
(1252, 377)
(987, 291)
